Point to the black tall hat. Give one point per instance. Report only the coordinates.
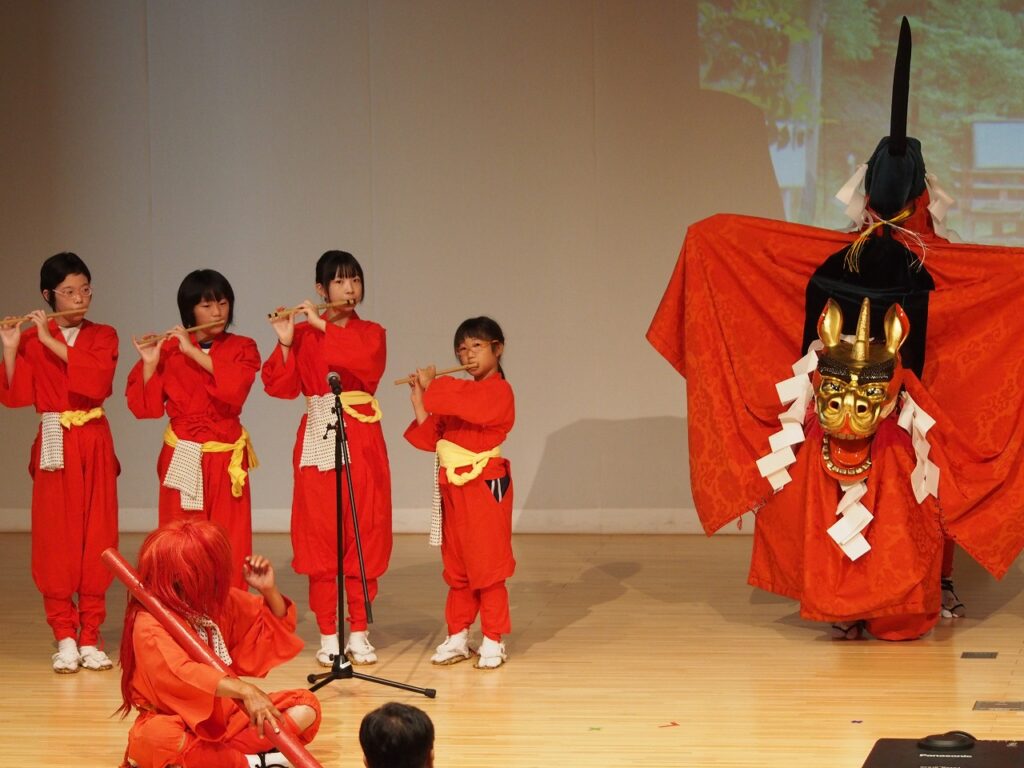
(892, 179)
(896, 171)
(884, 270)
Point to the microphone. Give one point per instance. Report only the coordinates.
(334, 382)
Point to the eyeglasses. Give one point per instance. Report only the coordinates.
(476, 346)
(69, 293)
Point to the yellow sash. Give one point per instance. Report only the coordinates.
(357, 397)
(70, 419)
(451, 456)
(235, 470)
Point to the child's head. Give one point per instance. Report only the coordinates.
(209, 292)
(64, 277)
(339, 273)
(187, 565)
(479, 341)
(397, 736)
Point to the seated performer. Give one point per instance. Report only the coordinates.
(186, 717)
(397, 736)
(64, 366)
(466, 422)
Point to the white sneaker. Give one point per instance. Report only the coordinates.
(492, 654)
(328, 650)
(359, 650)
(91, 657)
(454, 649)
(65, 660)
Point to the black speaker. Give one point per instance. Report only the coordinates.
(905, 753)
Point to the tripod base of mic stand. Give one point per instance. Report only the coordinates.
(342, 669)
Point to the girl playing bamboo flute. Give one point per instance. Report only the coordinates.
(65, 367)
(337, 341)
(201, 380)
(466, 422)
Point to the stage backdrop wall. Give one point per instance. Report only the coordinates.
(536, 161)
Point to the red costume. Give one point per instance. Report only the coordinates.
(203, 407)
(731, 320)
(181, 720)
(357, 352)
(74, 509)
(476, 544)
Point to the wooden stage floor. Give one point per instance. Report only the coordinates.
(626, 651)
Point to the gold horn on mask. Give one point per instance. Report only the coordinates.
(863, 340)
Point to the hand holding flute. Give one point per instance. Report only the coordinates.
(36, 316)
(10, 329)
(283, 319)
(10, 326)
(283, 322)
(10, 333)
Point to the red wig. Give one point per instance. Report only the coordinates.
(187, 566)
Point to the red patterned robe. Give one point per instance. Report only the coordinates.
(731, 322)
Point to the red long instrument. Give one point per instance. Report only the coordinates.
(285, 741)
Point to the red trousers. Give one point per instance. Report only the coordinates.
(74, 518)
(948, 548)
(907, 626)
(323, 601)
(156, 741)
(491, 603)
(477, 556)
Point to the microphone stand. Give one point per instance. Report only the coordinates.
(341, 667)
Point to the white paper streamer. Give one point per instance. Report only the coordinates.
(851, 196)
(941, 202)
(916, 421)
(854, 517)
(797, 392)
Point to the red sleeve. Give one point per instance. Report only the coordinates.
(425, 436)
(979, 494)
(234, 371)
(737, 280)
(91, 367)
(359, 348)
(281, 377)
(473, 401)
(19, 393)
(257, 639)
(185, 687)
(146, 401)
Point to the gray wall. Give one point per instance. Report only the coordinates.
(537, 161)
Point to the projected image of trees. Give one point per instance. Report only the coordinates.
(821, 71)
